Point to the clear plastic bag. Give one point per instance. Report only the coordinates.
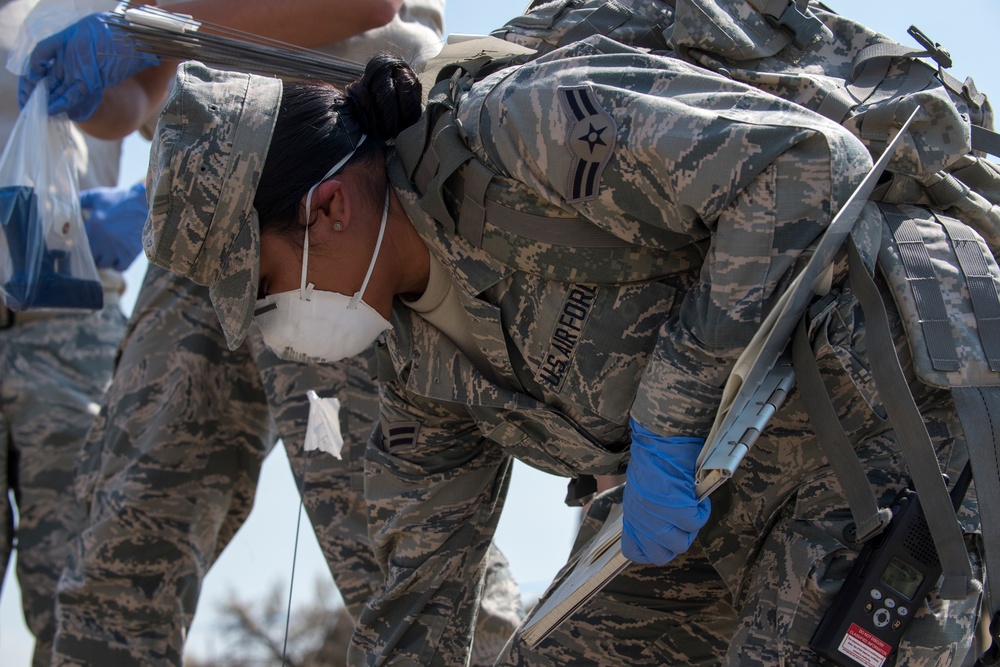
(45, 259)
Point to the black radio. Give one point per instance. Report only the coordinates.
(890, 579)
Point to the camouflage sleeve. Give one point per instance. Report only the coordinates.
(663, 153)
(435, 488)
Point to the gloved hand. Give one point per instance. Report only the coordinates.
(79, 63)
(114, 228)
(661, 515)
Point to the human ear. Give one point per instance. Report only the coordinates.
(332, 204)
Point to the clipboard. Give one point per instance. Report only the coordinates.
(759, 383)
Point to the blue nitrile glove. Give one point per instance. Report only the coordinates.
(661, 514)
(114, 228)
(79, 63)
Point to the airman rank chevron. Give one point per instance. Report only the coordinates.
(591, 140)
(399, 436)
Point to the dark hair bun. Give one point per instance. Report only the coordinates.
(387, 97)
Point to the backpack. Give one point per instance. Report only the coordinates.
(934, 228)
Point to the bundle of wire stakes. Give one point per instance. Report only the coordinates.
(178, 37)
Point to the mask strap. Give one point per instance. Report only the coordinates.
(306, 290)
(378, 244)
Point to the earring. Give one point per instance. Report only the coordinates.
(338, 227)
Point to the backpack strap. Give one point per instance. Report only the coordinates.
(888, 50)
(979, 412)
(869, 520)
(978, 407)
(911, 432)
(972, 277)
(985, 140)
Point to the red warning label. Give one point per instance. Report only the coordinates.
(864, 647)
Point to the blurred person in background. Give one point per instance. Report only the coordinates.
(54, 368)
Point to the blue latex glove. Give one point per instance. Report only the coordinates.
(79, 63)
(661, 515)
(114, 228)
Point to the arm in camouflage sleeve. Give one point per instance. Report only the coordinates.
(435, 488)
(662, 153)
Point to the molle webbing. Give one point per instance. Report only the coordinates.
(982, 287)
(928, 289)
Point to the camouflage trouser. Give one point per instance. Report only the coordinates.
(170, 471)
(789, 572)
(53, 372)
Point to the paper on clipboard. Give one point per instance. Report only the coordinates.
(761, 379)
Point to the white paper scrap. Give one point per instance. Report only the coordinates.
(323, 430)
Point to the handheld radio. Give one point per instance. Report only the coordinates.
(890, 579)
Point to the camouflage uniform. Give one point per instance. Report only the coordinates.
(171, 466)
(720, 190)
(53, 371)
(669, 157)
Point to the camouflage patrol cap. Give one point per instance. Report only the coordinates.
(205, 163)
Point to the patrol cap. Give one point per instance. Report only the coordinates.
(205, 162)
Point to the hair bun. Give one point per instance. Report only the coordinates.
(387, 97)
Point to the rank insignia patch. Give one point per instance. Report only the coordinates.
(591, 140)
(399, 436)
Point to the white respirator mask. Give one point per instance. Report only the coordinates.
(315, 326)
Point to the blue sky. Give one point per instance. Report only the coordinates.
(536, 529)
